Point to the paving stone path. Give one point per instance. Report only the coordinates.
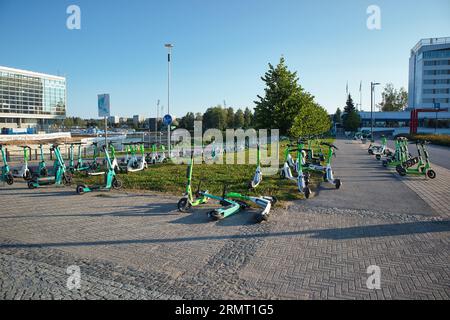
(137, 246)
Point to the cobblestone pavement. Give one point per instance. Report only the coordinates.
(137, 246)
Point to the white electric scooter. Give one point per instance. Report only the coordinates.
(24, 172)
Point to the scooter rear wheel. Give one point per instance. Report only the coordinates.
(30, 185)
(431, 174)
(9, 179)
(274, 200)
(117, 184)
(184, 205)
(80, 188)
(67, 179)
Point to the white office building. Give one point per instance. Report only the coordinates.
(429, 74)
(30, 99)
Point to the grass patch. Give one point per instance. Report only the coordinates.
(171, 178)
(437, 139)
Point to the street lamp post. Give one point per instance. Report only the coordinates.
(169, 48)
(372, 89)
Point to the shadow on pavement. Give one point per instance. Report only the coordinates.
(351, 233)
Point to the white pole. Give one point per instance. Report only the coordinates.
(168, 100)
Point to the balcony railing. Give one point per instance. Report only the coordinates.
(430, 41)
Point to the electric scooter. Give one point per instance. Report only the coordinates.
(378, 149)
(329, 176)
(188, 200)
(152, 157)
(399, 156)
(289, 164)
(310, 153)
(162, 157)
(229, 207)
(43, 172)
(24, 172)
(264, 202)
(61, 176)
(6, 173)
(111, 180)
(257, 178)
(302, 178)
(114, 162)
(94, 166)
(137, 164)
(421, 162)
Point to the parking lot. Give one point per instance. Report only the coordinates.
(132, 245)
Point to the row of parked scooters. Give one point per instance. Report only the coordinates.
(402, 160)
(305, 164)
(61, 173)
(298, 169)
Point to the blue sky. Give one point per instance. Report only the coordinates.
(222, 48)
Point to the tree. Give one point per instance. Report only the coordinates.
(215, 118)
(393, 100)
(248, 118)
(239, 119)
(337, 118)
(282, 100)
(187, 122)
(230, 118)
(350, 105)
(352, 121)
(311, 120)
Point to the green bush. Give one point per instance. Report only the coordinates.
(438, 139)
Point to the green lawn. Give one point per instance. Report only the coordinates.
(171, 178)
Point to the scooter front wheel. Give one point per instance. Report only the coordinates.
(431, 174)
(80, 189)
(27, 175)
(337, 183)
(184, 205)
(30, 185)
(117, 184)
(9, 179)
(215, 215)
(307, 192)
(262, 217)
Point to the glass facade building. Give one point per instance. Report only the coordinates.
(30, 99)
(429, 74)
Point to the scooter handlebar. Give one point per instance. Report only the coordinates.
(329, 145)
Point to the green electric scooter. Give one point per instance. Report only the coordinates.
(399, 156)
(302, 178)
(188, 201)
(111, 180)
(61, 176)
(43, 172)
(419, 165)
(257, 178)
(6, 173)
(264, 202)
(229, 207)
